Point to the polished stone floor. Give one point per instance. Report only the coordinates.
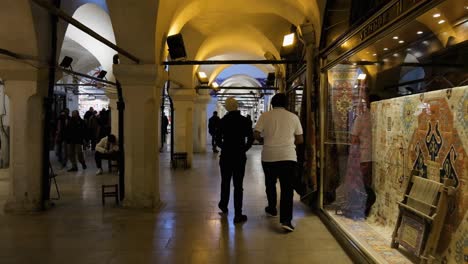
(186, 229)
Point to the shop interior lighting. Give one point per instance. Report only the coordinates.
(395, 37)
(441, 21)
(419, 32)
(375, 54)
(288, 40)
(401, 41)
(362, 76)
(436, 15)
(396, 55)
(385, 49)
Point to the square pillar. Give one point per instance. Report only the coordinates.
(141, 134)
(26, 130)
(183, 99)
(200, 123)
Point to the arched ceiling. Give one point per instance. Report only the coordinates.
(93, 16)
(246, 29)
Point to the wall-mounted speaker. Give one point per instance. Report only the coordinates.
(270, 79)
(176, 47)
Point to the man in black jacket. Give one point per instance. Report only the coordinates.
(75, 135)
(234, 136)
(213, 124)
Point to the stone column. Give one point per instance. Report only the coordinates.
(26, 130)
(183, 100)
(114, 113)
(141, 134)
(200, 127)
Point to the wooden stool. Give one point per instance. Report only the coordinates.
(113, 192)
(179, 157)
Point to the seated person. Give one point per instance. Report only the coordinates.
(107, 148)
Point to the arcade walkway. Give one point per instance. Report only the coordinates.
(187, 229)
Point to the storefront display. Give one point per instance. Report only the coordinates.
(395, 139)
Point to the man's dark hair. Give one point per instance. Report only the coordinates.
(111, 138)
(215, 113)
(279, 100)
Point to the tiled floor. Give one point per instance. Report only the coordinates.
(187, 229)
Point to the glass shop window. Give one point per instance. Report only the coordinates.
(397, 107)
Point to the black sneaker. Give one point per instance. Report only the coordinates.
(271, 212)
(73, 169)
(84, 166)
(240, 219)
(287, 227)
(224, 210)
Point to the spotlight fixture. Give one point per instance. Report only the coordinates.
(395, 37)
(436, 15)
(419, 32)
(401, 41)
(385, 49)
(202, 77)
(66, 62)
(288, 40)
(362, 76)
(441, 21)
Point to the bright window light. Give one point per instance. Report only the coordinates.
(288, 40)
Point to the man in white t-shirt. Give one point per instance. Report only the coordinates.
(281, 131)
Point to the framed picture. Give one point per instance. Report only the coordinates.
(412, 233)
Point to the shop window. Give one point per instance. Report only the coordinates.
(4, 128)
(398, 107)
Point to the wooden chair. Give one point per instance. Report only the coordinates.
(111, 190)
(422, 215)
(179, 158)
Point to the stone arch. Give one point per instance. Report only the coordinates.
(96, 18)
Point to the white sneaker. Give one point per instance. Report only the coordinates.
(99, 172)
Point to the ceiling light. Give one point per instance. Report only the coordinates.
(436, 15)
(288, 40)
(354, 63)
(419, 32)
(408, 49)
(202, 77)
(362, 76)
(396, 55)
(395, 37)
(385, 49)
(214, 85)
(375, 54)
(441, 21)
(401, 41)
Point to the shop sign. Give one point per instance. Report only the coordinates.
(397, 9)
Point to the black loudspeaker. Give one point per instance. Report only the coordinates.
(66, 62)
(176, 47)
(270, 79)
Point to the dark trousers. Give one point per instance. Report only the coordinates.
(98, 156)
(285, 171)
(213, 142)
(232, 168)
